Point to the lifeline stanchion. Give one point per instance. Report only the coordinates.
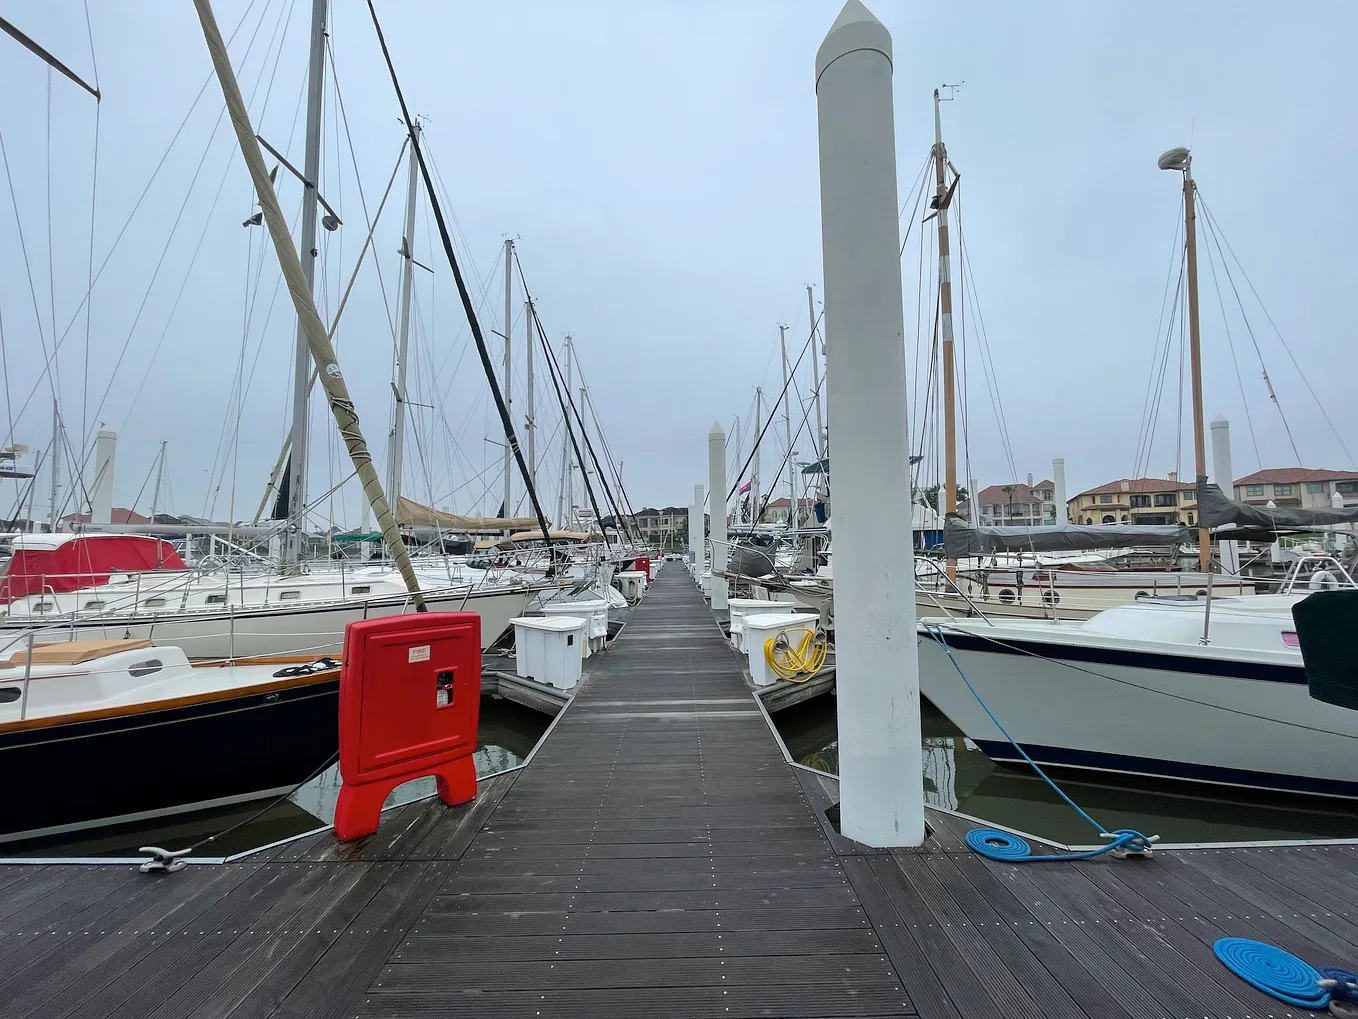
(1007, 848)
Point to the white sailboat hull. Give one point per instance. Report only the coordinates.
(1200, 718)
(311, 628)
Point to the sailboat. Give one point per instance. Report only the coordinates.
(1208, 689)
(88, 587)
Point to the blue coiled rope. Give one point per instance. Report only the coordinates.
(1274, 971)
(1001, 845)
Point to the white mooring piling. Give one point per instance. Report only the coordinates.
(1221, 474)
(101, 496)
(1059, 486)
(880, 769)
(695, 532)
(716, 489)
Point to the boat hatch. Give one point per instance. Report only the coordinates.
(74, 652)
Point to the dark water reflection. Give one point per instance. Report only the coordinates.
(957, 776)
(507, 733)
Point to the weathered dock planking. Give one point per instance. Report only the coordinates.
(659, 857)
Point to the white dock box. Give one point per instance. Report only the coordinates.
(595, 610)
(633, 584)
(761, 628)
(742, 607)
(548, 648)
(705, 582)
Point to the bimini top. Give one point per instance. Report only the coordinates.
(58, 563)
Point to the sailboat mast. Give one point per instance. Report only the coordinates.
(787, 433)
(1195, 352)
(509, 390)
(530, 425)
(319, 347)
(815, 373)
(396, 445)
(755, 515)
(301, 375)
(56, 466)
(567, 493)
(945, 319)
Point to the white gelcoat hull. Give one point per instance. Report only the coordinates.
(1156, 721)
(310, 629)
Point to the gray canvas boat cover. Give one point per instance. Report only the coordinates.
(1217, 511)
(960, 539)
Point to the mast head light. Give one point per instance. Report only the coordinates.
(1174, 159)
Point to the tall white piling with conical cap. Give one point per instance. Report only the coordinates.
(881, 780)
(716, 494)
(101, 494)
(1059, 487)
(695, 532)
(1225, 479)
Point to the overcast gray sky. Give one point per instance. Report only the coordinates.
(656, 164)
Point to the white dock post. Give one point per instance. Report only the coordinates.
(716, 490)
(880, 760)
(695, 532)
(1221, 474)
(1059, 483)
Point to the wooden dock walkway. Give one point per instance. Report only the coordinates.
(659, 857)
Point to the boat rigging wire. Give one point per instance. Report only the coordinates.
(1176, 252)
(28, 270)
(505, 419)
(75, 315)
(984, 349)
(1216, 231)
(568, 409)
(1226, 268)
(1235, 361)
(772, 412)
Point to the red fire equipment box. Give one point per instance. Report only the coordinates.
(410, 691)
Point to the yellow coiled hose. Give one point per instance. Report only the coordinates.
(800, 663)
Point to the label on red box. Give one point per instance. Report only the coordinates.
(418, 654)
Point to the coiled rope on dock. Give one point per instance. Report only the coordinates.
(1009, 848)
(796, 664)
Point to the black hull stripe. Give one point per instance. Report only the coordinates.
(999, 750)
(167, 759)
(1154, 661)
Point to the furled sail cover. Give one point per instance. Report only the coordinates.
(414, 514)
(960, 539)
(1216, 510)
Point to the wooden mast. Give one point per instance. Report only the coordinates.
(1180, 159)
(942, 198)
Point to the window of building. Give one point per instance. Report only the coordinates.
(1282, 489)
(1190, 520)
(1166, 499)
(1139, 501)
(1109, 519)
(1315, 486)
(1346, 487)
(1254, 491)
(1105, 498)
